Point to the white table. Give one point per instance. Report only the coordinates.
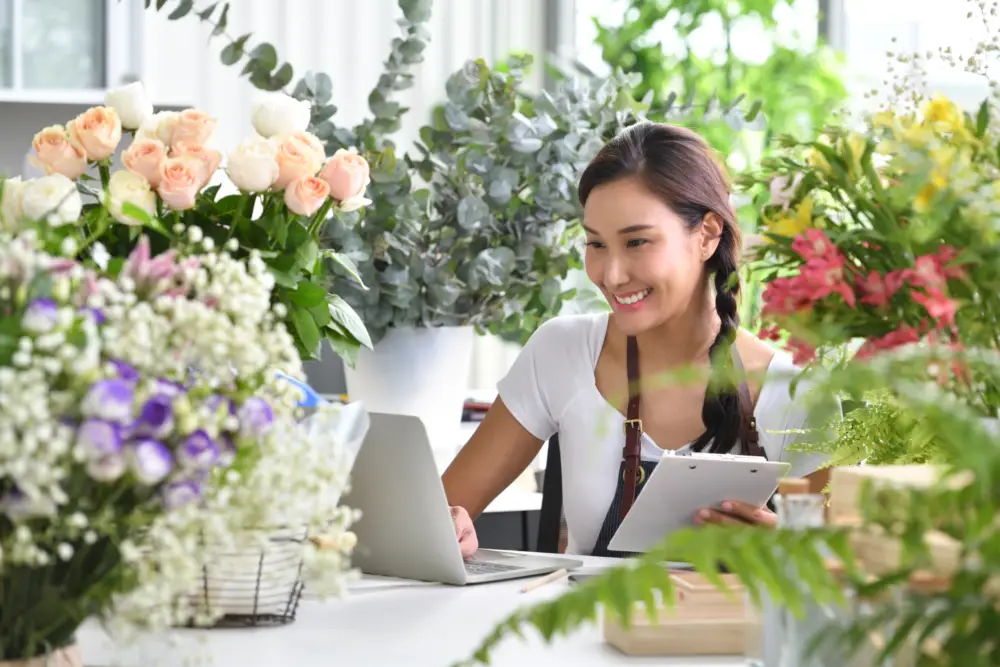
(386, 623)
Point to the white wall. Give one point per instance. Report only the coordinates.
(348, 40)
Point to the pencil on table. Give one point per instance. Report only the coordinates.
(547, 579)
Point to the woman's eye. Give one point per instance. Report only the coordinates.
(595, 244)
(635, 243)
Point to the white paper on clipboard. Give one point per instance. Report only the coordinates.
(680, 485)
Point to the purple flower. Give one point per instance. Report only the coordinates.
(151, 460)
(167, 388)
(101, 441)
(214, 401)
(41, 316)
(255, 417)
(199, 450)
(110, 400)
(156, 418)
(95, 313)
(125, 371)
(179, 494)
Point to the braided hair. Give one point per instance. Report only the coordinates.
(680, 167)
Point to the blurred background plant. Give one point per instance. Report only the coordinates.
(687, 49)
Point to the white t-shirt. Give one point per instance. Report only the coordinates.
(551, 389)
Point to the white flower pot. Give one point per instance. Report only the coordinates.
(418, 371)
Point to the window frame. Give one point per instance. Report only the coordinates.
(121, 55)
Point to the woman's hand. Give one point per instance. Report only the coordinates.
(734, 512)
(468, 542)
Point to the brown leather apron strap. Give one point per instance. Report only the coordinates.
(633, 428)
(749, 436)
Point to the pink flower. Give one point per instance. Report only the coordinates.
(146, 157)
(939, 307)
(802, 352)
(769, 332)
(194, 127)
(813, 243)
(55, 153)
(208, 158)
(784, 296)
(904, 335)
(158, 275)
(877, 290)
(305, 195)
(825, 276)
(181, 179)
(97, 131)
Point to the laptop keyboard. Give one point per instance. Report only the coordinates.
(482, 567)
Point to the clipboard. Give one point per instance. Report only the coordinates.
(682, 484)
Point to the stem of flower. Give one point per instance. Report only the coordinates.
(104, 168)
(238, 213)
(320, 218)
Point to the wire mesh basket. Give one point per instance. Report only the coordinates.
(255, 587)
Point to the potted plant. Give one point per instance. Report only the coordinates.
(474, 229)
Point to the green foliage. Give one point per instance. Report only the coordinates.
(796, 88)
(479, 224)
(790, 566)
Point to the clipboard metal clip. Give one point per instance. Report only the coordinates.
(637, 423)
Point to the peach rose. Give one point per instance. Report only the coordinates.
(160, 125)
(194, 127)
(305, 195)
(97, 131)
(348, 175)
(209, 158)
(180, 181)
(300, 154)
(55, 153)
(145, 157)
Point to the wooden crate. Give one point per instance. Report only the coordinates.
(705, 621)
(846, 483)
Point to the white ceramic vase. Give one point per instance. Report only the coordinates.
(418, 371)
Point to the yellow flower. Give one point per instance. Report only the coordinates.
(884, 119)
(943, 159)
(941, 110)
(793, 223)
(922, 203)
(857, 144)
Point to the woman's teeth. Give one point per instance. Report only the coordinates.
(633, 298)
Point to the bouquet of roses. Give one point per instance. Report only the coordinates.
(284, 189)
(142, 428)
(885, 237)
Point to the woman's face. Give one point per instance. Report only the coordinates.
(642, 255)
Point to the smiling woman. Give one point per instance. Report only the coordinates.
(663, 248)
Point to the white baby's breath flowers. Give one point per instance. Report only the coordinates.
(223, 328)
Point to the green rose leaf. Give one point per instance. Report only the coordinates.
(342, 313)
(307, 331)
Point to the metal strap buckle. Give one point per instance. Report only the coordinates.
(634, 422)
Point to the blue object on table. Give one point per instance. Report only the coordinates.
(310, 399)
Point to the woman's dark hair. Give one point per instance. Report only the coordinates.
(678, 166)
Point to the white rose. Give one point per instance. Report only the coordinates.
(253, 166)
(280, 114)
(53, 199)
(10, 206)
(131, 103)
(160, 126)
(128, 187)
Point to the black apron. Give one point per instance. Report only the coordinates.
(633, 472)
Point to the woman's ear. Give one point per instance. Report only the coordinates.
(712, 227)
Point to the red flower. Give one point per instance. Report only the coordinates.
(825, 276)
(904, 335)
(802, 352)
(813, 243)
(769, 332)
(939, 307)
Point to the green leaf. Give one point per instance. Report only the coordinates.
(344, 345)
(345, 263)
(220, 26)
(139, 215)
(234, 50)
(308, 295)
(184, 7)
(206, 13)
(305, 327)
(342, 313)
(472, 212)
(265, 57)
(416, 11)
(282, 77)
(983, 119)
(159, 4)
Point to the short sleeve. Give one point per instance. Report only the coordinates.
(802, 421)
(530, 389)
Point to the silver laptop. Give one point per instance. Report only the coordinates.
(405, 529)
